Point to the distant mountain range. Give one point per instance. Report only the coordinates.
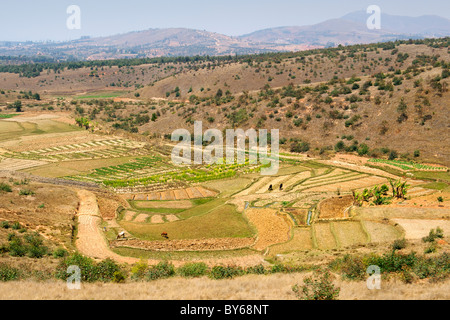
(347, 30)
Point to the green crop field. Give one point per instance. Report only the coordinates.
(406, 165)
(7, 116)
(221, 222)
(104, 95)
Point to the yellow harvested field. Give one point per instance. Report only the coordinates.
(381, 232)
(349, 233)
(300, 241)
(324, 237)
(296, 178)
(254, 187)
(347, 186)
(272, 228)
(275, 182)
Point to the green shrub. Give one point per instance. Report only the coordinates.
(193, 270)
(86, 265)
(4, 248)
(11, 236)
(106, 269)
(229, 272)
(26, 192)
(431, 248)
(16, 226)
(37, 251)
(280, 268)
(351, 267)
(139, 270)
(259, 269)
(17, 248)
(399, 244)
(393, 261)
(433, 235)
(60, 253)
(118, 277)
(162, 270)
(5, 187)
(5, 225)
(8, 273)
(317, 287)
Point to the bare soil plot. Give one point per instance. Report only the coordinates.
(299, 215)
(400, 212)
(167, 195)
(418, 192)
(154, 196)
(324, 236)
(419, 228)
(141, 218)
(272, 228)
(381, 232)
(19, 164)
(141, 197)
(335, 208)
(171, 217)
(181, 194)
(157, 219)
(129, 215)
(193, 193)
(349, 233)
(181, 204)
(206, 193)
(187, 245)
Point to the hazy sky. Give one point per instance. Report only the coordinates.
(38, 20)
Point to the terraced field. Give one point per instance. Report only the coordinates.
(111, 148)
(221, 209)
(408, 165)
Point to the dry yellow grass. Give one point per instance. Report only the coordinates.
(251, 287)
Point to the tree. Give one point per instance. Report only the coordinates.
(83, 122)
(17, 105)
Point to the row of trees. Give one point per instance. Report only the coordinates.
(379, 194)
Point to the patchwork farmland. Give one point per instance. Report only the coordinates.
(215, 209)
(362, 173)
